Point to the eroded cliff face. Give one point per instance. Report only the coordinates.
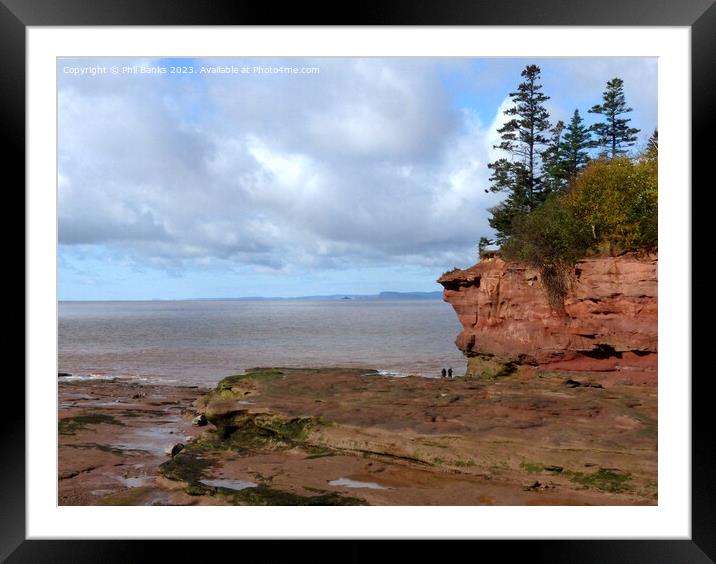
(608, 323)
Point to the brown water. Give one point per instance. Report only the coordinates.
(199, 342)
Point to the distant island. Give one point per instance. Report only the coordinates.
(437, 295)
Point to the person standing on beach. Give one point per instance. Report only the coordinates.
(443, 373)
(449, 372)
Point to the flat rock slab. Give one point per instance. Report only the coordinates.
(310, 435)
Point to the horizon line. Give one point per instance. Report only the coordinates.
(257, 298)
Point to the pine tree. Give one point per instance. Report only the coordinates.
(614, 133)
(652, 146)
(522, 137)
(553, 173)
(482, 246)
(510, 177)
(575, 142)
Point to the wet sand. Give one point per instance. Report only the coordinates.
(350, 436)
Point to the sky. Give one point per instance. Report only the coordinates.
(367, 175)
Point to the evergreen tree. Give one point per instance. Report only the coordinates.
(575, 142)
(522, 137)
(652, 146)
(510, 177)
(614, 133)
(553, 172)
(482, 245)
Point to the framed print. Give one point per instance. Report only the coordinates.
(392, 278)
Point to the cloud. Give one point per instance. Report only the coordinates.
(371, 162)
(367, 163)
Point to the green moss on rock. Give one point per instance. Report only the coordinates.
(604, 479)
(70, 425)
(264, 495)
(259, 431)
(489, 367)
(532, 467)
(261, 374)
(188, 466)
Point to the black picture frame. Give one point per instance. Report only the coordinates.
(17, 15)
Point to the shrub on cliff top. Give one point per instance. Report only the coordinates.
(551, 235)
(618, 200)
(610, 206)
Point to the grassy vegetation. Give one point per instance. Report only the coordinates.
(460, 463)
(604, 479)
(532, 467)
(449, 271)
(539, 468)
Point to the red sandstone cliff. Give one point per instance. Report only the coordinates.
(609, 321)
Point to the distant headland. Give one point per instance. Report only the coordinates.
(437, 295)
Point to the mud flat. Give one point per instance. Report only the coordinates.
(332, 436)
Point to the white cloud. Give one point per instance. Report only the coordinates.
(367, 163)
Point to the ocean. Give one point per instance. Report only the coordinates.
(200, 342)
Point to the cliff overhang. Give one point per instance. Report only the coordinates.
(608, 321)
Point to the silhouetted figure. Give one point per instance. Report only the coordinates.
(449, 372)
(443, 373)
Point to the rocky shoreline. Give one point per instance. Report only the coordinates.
(335, 436)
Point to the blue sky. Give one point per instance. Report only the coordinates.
(367, 176)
